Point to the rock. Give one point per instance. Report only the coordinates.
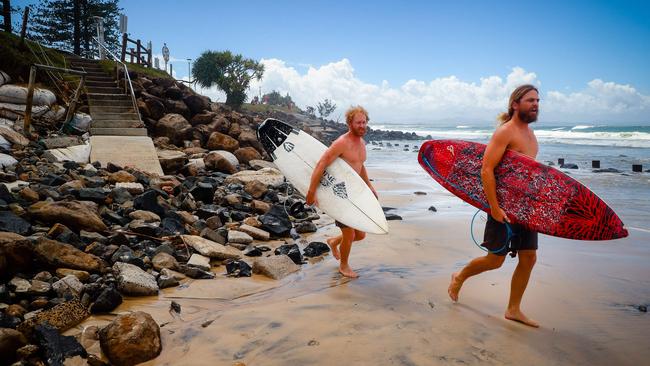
(239, 237)
(164, 260)
(83, 276)
(246, 154)
(68, 285)
(306, 227)
(165, 281)
(58, 254)
(10, 341)
(214, 222)
(219, 161)
(202, 118)
(316, 248)
(290, 250)
(133, 281)
(156, 108)
(199, 261)
(56, 347)
(267, 176)
(213, 235)
(79, 154)
(62, 316)
(131, 187)
(171, 160)
(107, 301)
(390, 217)
(146, 216)
(70, 213)
(261, 164)
(254, 232)
(276, 221)
(173, 93)
(15, 224)
(13, 137)
(432, 209)
(131, 339)
(16, 254)
(569, 166)
(210, 248)
(20, 285)
(255, 188)
(237, 268)
(252, 221)
(260, 207)
(220, 141)
(275, 267)
(197, 103)
(420, 193)
(203, 191)
(149, 201)
(607, 170)
(121, 176)
(174, 126)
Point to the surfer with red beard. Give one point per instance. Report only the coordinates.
(352, 148)
(513, 133)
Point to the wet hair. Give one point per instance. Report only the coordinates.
(516, 96)
(353, 111)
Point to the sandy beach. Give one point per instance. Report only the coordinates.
(398, 312)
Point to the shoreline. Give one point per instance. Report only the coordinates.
(398, 311)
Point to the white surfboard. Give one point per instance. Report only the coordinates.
(342, 194)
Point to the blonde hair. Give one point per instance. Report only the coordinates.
(353, 111)
(516, 96)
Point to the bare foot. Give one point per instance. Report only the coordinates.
(518, 316)
(454, 287)
(347, 271)
(334, 246)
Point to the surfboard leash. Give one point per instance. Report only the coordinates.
(509, 236)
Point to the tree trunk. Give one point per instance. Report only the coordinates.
(76, 37)
(6, 14)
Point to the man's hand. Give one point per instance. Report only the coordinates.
(311, 198)
(498, 214)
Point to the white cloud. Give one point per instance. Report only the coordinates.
(445, 99)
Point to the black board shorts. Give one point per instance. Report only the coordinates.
(495, 238)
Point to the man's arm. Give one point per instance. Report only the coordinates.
(364, 175)
(328, 158)
(493, 154)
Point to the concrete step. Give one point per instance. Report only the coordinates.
(96, 74)
(135, 151)
(87, 68)
(129, 115)
(102, 79)
(103, 96)
(118, 131)
(104, 90)
(116, 124)
(111, 109)
(101, 83)
(110, 103)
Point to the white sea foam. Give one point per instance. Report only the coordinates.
(581, 127)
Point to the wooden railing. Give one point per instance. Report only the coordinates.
(139, 52)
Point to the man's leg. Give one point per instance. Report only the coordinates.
(335, 241)
(476, 266)
(346, 245)
(527, 259)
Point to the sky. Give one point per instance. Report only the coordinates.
(437, 62)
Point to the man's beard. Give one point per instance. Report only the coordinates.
(359, 131)
(527, 117)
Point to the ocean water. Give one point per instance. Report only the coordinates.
(617, 147)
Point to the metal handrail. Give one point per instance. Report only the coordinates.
(126, 72)
(30, 93)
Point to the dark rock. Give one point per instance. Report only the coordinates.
(94, 182)
(167, 281)
(113, 168)
(62, 233)
(114, 217)
(306, 227)
(12, 223)
(642, 308)
(148, 201)
(175, 307)
(569, 166)
(290, 250)
(276, 221)
(433, 209)
(53, 180)
(316, 248)
(108, 300)
(8, 321)
(253, 252)
(145, 228)
(55, 346)
(390, 217)
(203, 192)
(126, 344)
(92, 194)
(197, 103)
(196, 273)
(238, 268)
(172, 226)
(607, 170)
(16, 255)
(5, 195)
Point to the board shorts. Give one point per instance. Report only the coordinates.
(496, 235)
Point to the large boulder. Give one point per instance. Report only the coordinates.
(156, 108)
(10, 341)
(246, 154)
(275, 267)
(267, 176)
(210, 248)
(174, 126)
(171, 160)
(131, 339)
(197, 103)
(73, 214)
(221, 161)
(220, 141)
(132, 280)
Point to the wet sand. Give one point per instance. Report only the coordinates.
(398, 311)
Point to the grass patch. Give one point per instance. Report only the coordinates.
(16, 58)
(108, 66)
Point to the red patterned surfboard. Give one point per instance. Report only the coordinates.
(537, 196)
